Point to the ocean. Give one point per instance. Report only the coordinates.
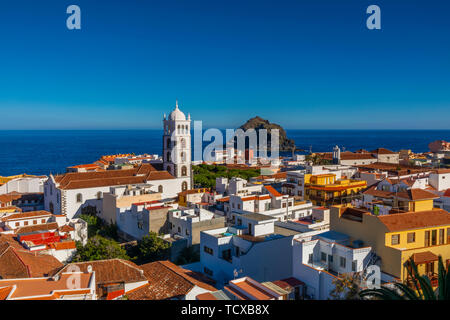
(42, 152)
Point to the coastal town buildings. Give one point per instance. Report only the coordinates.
(22, 183)
(72, 192)
(189, 223)
(395, 238)
(326, 190)
(242, 249)
(61, 287)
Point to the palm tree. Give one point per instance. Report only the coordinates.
(423, 290)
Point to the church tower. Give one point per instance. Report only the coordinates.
(177, 146)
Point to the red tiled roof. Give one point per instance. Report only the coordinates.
(416, 194)
(415, 220)
(66, 228)
(424, 257)
(5, 291)
(111, 271)
(447, 193)
(378, 193)
(272, 191)
(206, 296)
(25, 215)
(382, 151)
(80, 180)
(288, 283)
(166, 280)
(17, 262)
(37, 227)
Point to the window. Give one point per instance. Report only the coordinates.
(342, 262)
(43, 221)
(184, 186)
(441, 236)
(310, 258)
(323, 256)
(183, 171)
(433, 237)
(395, 239)
(99, 195)
(427, 238)
(187, 232)
(208, 271)
(208, 250)
(411, 237)
(160, 189)
(34, 221)
(330, 258)
(284, 204)
(17, 224)
(25, 223)
(79, 198)
(448, 235)
(239, 206)
(179, 229)
(354, 265)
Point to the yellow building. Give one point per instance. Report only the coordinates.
(326, 190)
(414, 200)
(422, 235)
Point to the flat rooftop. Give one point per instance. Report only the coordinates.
(257, 217)
(334, 236)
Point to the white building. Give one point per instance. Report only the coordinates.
(254, 247)
(190, 222)
(295, 180)
(24, 185)
(177, 147)
(440, 179)
(236, 186)
(121, 198)
(142, 218)
(322, 259)
(70, 193)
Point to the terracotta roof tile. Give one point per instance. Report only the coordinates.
(37, 227)
(17, 262)
(110, 271)
(424, 257)
(5, 291)
(416, 194)
(24, 215)
(81, 180)
(166, 280)
(272, 191)
(415, 220)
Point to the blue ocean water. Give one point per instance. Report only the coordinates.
(44, 152)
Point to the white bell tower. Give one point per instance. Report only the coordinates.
(177, 146)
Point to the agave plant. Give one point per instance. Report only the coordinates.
(423, 290)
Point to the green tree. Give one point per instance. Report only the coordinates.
(152, 248)
(96, 226)
(422, 288)
(99, 248)
(346, 287)
(188, 255)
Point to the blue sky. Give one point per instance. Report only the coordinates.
(303, 64)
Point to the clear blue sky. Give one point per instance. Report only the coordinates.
(303, 64)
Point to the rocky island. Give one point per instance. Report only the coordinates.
(258, 123)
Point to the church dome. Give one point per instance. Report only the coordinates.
(177, 114)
